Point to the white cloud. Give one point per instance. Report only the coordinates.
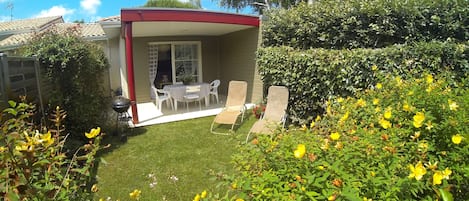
(55, 11)
(4, 18)
(90, 6)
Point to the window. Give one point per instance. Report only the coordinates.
(174, 61)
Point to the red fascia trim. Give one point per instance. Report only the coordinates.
(130, 70)
(144, 15)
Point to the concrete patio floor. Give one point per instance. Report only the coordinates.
(148, 113)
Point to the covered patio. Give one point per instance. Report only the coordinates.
(164, 45)
(150, 115)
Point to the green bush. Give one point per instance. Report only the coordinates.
(314, 75)
(337, 24)
(33, 165)
(400, 140)
(75, 73)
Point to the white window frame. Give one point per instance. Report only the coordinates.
(173, 65)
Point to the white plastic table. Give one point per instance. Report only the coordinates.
(178, 91)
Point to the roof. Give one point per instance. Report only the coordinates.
(116, 18)
(91, 31)
(186, 15)
(28, 25)
(148, 22)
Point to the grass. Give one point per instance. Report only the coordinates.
(185, 150)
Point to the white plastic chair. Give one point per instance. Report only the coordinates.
(214, 88)
(192, 94)
(159, 99)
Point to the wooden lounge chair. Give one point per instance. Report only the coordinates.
(275, 112)
(234, 107)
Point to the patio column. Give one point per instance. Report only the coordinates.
(130, 70)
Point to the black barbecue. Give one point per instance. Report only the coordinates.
(121, 106)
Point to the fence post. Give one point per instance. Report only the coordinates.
(5, 83)
(37, 69)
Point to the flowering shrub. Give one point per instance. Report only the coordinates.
(258, 110)
(400, 140)
(32, 163)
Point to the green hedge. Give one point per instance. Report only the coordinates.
(341, 24)
(315, 75)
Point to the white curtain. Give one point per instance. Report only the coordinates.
(153, 66)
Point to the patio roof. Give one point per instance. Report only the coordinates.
(180, 22)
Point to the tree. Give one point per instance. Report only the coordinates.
(74, 72)
(259, 5)
(193, 4)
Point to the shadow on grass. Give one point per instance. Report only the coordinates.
(117, 139)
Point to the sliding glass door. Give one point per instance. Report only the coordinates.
(174, 62)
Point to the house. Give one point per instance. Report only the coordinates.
(17, 33)
(174, 42)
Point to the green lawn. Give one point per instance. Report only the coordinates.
(183, 156)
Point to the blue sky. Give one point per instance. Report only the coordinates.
(70, 10)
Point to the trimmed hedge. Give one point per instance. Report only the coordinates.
(315, 75)
(337, 24)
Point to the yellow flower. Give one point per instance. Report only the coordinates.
(325, 146)
(340, 100)
(377, 109)
(318, 118)
(374, 67)
(456, 139)
(93, 133)
(416, 135)
(418, 119)
(437, 177)
(300, 151)
(379, 85)
(239, 199)
(385, 123)
(331, 198)
(303, 127)
(360, 103)
(2, 149)
(94, 188)
(423, 146)
(398, 81)
(429, 125)
(203, 194)
(453, 106)
(311, 125)
(429, 89)
(135, 194)
(446, 173)
(197, 197)
(47, 139)
(321, 167)
(406, 107)
(344, 117)
(335, 136)
(372, 173)
(418, 171)
(429, 79)
(388, 113)
(432, 166)
(375, 101)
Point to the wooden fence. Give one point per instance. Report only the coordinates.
(20, 76)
